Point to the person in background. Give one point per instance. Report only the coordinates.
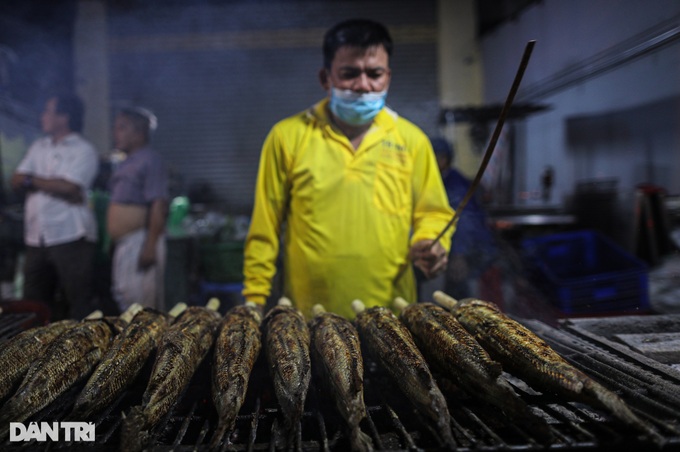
(137, 213)
(59, 227)
(473, 246)
(356, 185)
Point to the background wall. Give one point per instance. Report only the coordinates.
(218, 76)
(610, 72)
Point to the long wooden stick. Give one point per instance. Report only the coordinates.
(492, 143)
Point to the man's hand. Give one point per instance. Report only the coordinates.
(431, 261)
(147, 257)
(60, 188)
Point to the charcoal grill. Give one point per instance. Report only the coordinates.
(14, 323)
(650, 388)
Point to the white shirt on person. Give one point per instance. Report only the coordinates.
(49, 220)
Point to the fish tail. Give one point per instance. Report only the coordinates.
(10, 413)
(360, 441)
(538, 426)
(292, 435)
(447, 437)
(134, 432)
(620, 409)
(218, 436)
(516, 408)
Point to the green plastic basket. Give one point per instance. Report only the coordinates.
(222, 261)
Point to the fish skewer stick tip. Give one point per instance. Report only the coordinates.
(285, 301)
(177, 309)
(444, 300)
(254, 308)
(318, 309)
(94, 315)
(399, 304)
(358, 306)
(130, 312)
(213, 304)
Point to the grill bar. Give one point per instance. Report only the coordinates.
(11, 324)
(377, 442)
(601, 331)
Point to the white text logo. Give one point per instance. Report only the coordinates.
(56, 431)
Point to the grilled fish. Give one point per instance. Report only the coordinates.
(452, 350)
(526, 355)
(69, 359)
(122, 362)
(286, 339)
(182, 348)
(237, 347)
(392, 346)
(22, 350)
(336, 353)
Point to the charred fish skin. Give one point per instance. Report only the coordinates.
(182, 349)
(237, 348)
(122, 362)
(286, 340)
(392, 346)
(69, 359)
(336, 352)
(517, 348)
(532, 359)
(19, 352)
(454, 351)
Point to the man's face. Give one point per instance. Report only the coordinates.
(50, 120)
(359, 70)
(125, 136)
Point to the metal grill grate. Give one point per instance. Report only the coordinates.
(394, 425)
(12, 324)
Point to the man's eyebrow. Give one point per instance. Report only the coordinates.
(365, 69)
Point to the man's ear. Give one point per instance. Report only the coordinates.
(323, 78)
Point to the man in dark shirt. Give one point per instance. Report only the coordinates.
(137, 213)
(473, 245)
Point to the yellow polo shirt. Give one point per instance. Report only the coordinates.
(350, 215)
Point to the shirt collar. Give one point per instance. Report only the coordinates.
(65, 140)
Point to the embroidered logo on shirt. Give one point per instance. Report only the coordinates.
(393, 153)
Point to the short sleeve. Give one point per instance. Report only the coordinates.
(27, 164)
(82, 166)
(156, 182)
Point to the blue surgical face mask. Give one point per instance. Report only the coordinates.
(354, 108)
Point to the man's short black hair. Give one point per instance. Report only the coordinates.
(362, 33)
(71, 105)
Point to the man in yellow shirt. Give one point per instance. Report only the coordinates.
(357, 187)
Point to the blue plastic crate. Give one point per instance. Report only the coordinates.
(583, 272)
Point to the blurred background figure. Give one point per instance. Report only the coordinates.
(59, 227)
(474, 250)
(137, 213)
